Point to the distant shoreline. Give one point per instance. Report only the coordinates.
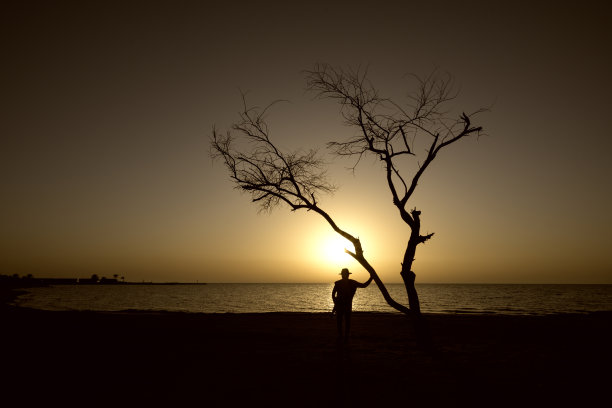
(129, 283)
(11, 288)
(17, 283)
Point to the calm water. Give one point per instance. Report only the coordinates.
(248, 298)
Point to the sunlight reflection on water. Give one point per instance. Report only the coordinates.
(261, 298)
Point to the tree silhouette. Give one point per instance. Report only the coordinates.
(385, 129)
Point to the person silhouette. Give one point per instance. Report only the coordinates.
(342, 295)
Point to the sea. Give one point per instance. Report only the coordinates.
(515, 299)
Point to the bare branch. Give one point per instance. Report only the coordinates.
(384, 124)
(270, 176)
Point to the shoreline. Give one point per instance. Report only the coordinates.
(294, 359)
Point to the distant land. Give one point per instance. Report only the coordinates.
(30, 281)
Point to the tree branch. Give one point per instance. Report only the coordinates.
(383, 124)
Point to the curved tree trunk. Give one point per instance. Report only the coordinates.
(414, 309)
(358, 256)
(381, 286)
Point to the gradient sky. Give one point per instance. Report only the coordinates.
(108, 107)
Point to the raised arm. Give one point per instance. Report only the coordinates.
(365, 284)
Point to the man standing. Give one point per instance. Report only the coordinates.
(342, 295)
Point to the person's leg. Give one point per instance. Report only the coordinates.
(347, 323)
(339, 316)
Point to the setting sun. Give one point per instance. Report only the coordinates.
(332, 249)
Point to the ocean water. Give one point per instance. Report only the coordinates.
(262, 298)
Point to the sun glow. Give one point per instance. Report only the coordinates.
(332, 250)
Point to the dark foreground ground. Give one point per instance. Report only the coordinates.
(288, 359)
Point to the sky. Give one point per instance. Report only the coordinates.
(107, 111)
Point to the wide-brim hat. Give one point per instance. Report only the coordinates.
(345, 270)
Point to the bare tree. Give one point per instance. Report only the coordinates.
(385, 129)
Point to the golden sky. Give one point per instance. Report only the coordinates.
(108, 107)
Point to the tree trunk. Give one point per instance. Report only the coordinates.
(408, 276)
(421, 328)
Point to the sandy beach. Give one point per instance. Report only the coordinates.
(293, 359)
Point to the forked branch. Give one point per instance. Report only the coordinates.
(388, 129)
